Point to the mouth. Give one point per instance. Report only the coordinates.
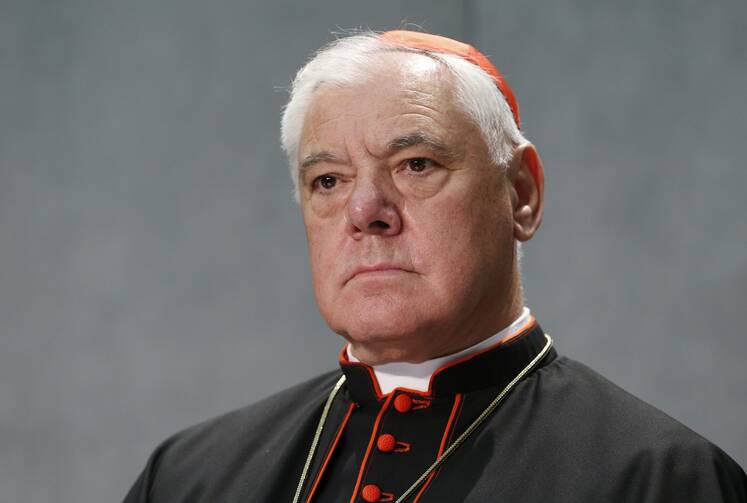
(376, 271)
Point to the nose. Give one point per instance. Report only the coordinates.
(371, 209)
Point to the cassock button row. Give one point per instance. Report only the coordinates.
(403, 403)
(386, 442)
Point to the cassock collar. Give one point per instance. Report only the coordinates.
(417, 376)
(493, 366)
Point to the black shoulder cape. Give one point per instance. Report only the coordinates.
(564, 434)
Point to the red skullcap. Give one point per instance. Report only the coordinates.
(436, 43)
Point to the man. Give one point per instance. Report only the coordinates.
(416, 185)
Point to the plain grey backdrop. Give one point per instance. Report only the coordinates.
(153, 268)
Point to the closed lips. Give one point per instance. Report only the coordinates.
(376, 268)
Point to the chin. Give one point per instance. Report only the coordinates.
(380, 325)
(372, 325)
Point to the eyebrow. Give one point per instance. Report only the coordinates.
(400, 143)
(419, 138)
(316, 158)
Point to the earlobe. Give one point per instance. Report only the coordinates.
(527, 192)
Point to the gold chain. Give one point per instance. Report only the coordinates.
(448, 452)
(318, 434)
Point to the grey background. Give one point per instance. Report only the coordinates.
(153, 270)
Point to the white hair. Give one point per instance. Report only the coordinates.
(348, 61)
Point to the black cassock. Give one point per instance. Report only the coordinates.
(564, 434)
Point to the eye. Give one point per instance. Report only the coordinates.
(325, 182)
(419, 164)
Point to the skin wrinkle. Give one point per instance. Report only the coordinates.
(350, 62)
(413, 139)
(418, 98)
(345, 159)
(451, 230)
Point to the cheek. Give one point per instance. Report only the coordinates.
(322, 259)
(464, 237)
(329, 205)
(318, 256)
(441, 242)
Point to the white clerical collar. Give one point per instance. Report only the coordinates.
(417, 376)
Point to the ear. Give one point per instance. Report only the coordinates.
(527, 179)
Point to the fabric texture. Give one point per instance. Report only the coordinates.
(564, 434)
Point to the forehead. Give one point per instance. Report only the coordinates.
(401, 92)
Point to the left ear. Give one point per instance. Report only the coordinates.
(527, 179)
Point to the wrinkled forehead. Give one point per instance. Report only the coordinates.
(397, 88)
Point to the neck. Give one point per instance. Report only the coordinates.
(417, 376)
(434, 341)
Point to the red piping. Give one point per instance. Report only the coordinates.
(344, 423)
(531, 322)
(370, 445)
(447, 430)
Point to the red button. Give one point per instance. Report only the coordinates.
(403, 403)
(371, 493)
(386, 442)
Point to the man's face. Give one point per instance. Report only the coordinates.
(409, 224)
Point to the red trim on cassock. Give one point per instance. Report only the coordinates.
(371, 442)
(449, 426)
(528, 326)
(332, 447)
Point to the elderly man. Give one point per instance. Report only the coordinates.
(416, 186)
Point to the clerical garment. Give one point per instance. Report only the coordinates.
(563, 434)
